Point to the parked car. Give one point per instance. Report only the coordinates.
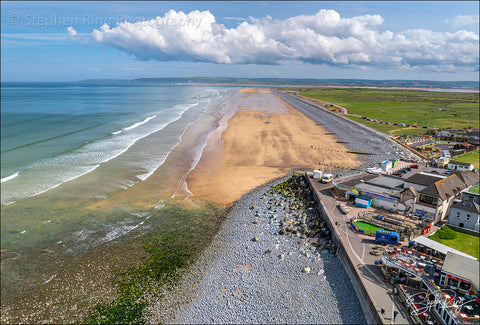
(397, 174)
(408, 125)
(434, 172)
(395, 123)
(415, 166)
(425, 127)
(408, 169)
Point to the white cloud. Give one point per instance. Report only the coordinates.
(71, 32)
(463, 21)
(323, 38)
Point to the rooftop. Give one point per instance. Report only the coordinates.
(466, 206)
(468, 177)
(423, 178)
(459, 163)
(445, 188)
(463, 267)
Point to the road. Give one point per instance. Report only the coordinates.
(360, 247)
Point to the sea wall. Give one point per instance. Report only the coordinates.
(368, 307)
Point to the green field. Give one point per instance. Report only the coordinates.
(471, 157)
(468, 244)
(424, 108)
(368, 228)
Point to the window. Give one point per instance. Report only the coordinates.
(458, 215)
(428, 199)
(465, 286)
(468, 218)
(453, 283)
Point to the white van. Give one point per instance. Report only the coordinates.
(327, 178)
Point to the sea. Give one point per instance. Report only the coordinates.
(83, 163)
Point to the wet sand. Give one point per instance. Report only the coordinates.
(263, 140)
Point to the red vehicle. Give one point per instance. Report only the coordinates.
(415, 166)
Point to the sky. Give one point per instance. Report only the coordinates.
(384, 40)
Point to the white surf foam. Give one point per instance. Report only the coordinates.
(133, 126)
(6, 179)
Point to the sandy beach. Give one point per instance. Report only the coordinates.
(263, 140)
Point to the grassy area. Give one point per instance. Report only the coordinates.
(424, 108)
(368, 228)
(472, 157)
(464, 243)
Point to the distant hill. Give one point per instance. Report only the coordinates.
(313, 82)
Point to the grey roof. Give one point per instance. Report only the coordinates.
(351, 182)
(410, 189)
(423, 179)
(427, 242)
(466, 206)
(389, 182)
(463, 267)
(445, 188)
(379, 189)
(468, 177)
(459, 163)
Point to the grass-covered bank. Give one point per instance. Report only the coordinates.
(168, 253)
(470, 158)
(423, 108)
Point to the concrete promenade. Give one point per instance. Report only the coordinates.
(353, 250)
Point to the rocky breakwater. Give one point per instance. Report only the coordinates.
(271, 262)
(300, 216)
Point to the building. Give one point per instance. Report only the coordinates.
(434, 194)
(472, 193)
(465, 214)
(461, 166)
(426, 195)
(460, 273)
(434, 290)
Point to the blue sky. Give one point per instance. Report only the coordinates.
(65, 41)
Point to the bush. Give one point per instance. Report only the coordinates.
(446, 233)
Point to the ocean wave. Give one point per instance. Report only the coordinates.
(6, 179)
(133, 126)
(55, 171)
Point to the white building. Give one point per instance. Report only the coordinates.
(461, 166)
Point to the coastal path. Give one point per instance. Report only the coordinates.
(358, 247)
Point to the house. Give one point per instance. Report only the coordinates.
(465, 214)
(435, 194)
(457, 165)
